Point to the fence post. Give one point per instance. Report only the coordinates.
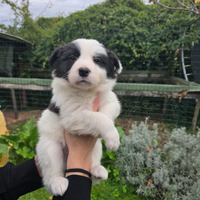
(196, 113)
(165, 105)
(14, 102)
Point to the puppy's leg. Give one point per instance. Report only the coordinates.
(50, 152)
(102, 124)
(97, 170)
(112, 107)
(98, 124)
(51, 162)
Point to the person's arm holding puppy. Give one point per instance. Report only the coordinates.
(80, 151)
(18, 180)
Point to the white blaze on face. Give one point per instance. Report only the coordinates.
(88, 49)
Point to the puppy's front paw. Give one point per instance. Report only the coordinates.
(112, 145)
(59, 185)
(112, 142)
(99, 172)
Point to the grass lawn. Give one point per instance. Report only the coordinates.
(40, 194)
(103, 191)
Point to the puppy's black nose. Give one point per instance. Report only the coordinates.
(83, 71)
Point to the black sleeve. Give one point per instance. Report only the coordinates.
(18, 180)
(79, 189)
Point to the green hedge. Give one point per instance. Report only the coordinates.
(144, 37)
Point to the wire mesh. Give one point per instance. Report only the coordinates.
(154, 96)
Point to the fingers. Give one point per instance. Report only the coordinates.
(37, 166)
(96, 104)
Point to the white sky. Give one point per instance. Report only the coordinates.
(58, 6)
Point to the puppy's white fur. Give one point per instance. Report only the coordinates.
(75, 99)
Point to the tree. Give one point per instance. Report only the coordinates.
(22, 16)
(23, 23)
(144, 37)
(186, 5)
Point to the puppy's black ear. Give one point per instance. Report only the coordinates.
(54, 56)
(115, 61)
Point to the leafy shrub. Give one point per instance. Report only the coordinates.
(113, 188)
(139, 34)
(144, 37)
(22, 144)
(169, 173)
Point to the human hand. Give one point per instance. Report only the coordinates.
(80, 148)
(37, 166)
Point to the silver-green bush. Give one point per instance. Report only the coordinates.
(170, 173)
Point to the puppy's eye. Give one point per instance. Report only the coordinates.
(97, 60)
(72, 58)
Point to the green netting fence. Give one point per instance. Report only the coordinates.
(161, 61)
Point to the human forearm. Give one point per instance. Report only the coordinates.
(79, 188)
(18, 180)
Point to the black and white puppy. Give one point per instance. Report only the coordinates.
(83, 69)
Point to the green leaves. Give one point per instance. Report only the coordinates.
(108, 160)
(160, 173)
(156, 142)
(120, 130)
(22, 143)
(26, 129)
(25, 152)
(12, 139)
(3, 149)
(111, 154)
(144, 37)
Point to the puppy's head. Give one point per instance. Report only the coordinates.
(85, 64)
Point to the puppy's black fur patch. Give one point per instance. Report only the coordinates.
(63, 58)
(109, 63)
(53, 108)
(114, 59)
